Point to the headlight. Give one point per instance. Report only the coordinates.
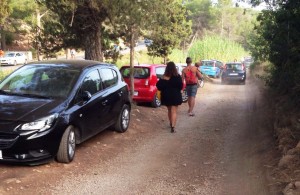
(41, 124)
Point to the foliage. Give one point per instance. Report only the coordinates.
(178, 56)
(24, 10)
(215, 47)
(202, 15)
(141, 57)
(171, 29)
(4, 11)
(50, 38)
(83, 20)
(278, 41)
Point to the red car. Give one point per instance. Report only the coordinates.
(145, 79)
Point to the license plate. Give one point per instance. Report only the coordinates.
(135, 93)
(1, 157)
(234, 74)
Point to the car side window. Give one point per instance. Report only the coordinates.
(109, 77)
(160, 71)
(91, 82)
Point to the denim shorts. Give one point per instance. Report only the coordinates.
(191, 90)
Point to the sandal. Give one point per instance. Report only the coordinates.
(173, 130)
(191, 114)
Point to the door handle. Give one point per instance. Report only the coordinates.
(104, 102)
(120, 93)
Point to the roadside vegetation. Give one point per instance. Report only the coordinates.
(215, 47)
(196, 28)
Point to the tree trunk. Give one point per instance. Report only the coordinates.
(132, 44)
(39, 26)
(3, 42)
(93, 47)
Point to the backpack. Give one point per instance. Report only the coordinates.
(190, 76)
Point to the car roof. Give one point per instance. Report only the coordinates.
(75, 64)
(234, 63)
(210, 60)
(145, 65)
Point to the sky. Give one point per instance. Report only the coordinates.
(246, 5)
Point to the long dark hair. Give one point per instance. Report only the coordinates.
(171, 70)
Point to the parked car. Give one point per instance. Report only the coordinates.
(13, 58)
(145, 79)
(48, 107)
(211, 68)
(234, 72)
(148, 42)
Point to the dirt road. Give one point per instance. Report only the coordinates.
(223, 149)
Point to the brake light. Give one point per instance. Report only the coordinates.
(147, 82)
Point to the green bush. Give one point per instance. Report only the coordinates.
(215, 47)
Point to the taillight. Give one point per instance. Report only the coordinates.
(146, 82)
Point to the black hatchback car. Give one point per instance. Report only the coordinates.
(234, 72)
(48, 107)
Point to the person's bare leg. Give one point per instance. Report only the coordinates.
(174, 115)
(170, 114)
(191, 105)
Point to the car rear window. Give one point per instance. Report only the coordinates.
(139, 72)
(207, 63)
(234, 66)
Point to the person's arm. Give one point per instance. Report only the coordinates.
(183, 75)
(198, 74)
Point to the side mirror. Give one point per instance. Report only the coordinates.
(86, 96)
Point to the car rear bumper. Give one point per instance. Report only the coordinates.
(210, 72)
(143, 95)
(234, 78)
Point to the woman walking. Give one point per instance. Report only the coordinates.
(170, 86)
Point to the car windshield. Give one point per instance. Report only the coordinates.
(40, 81)
(9, 55)
(234, 66)
(207, 63)
(139, 72)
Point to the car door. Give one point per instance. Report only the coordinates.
(89, 114)
(112, 96)
(19, 58)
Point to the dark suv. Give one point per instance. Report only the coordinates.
(48, 107)
(234, 72)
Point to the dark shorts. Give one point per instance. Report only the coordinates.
(191, 90)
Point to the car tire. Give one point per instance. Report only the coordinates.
(123, 119)
(66, 151)
(156, 102)
(184, 96)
